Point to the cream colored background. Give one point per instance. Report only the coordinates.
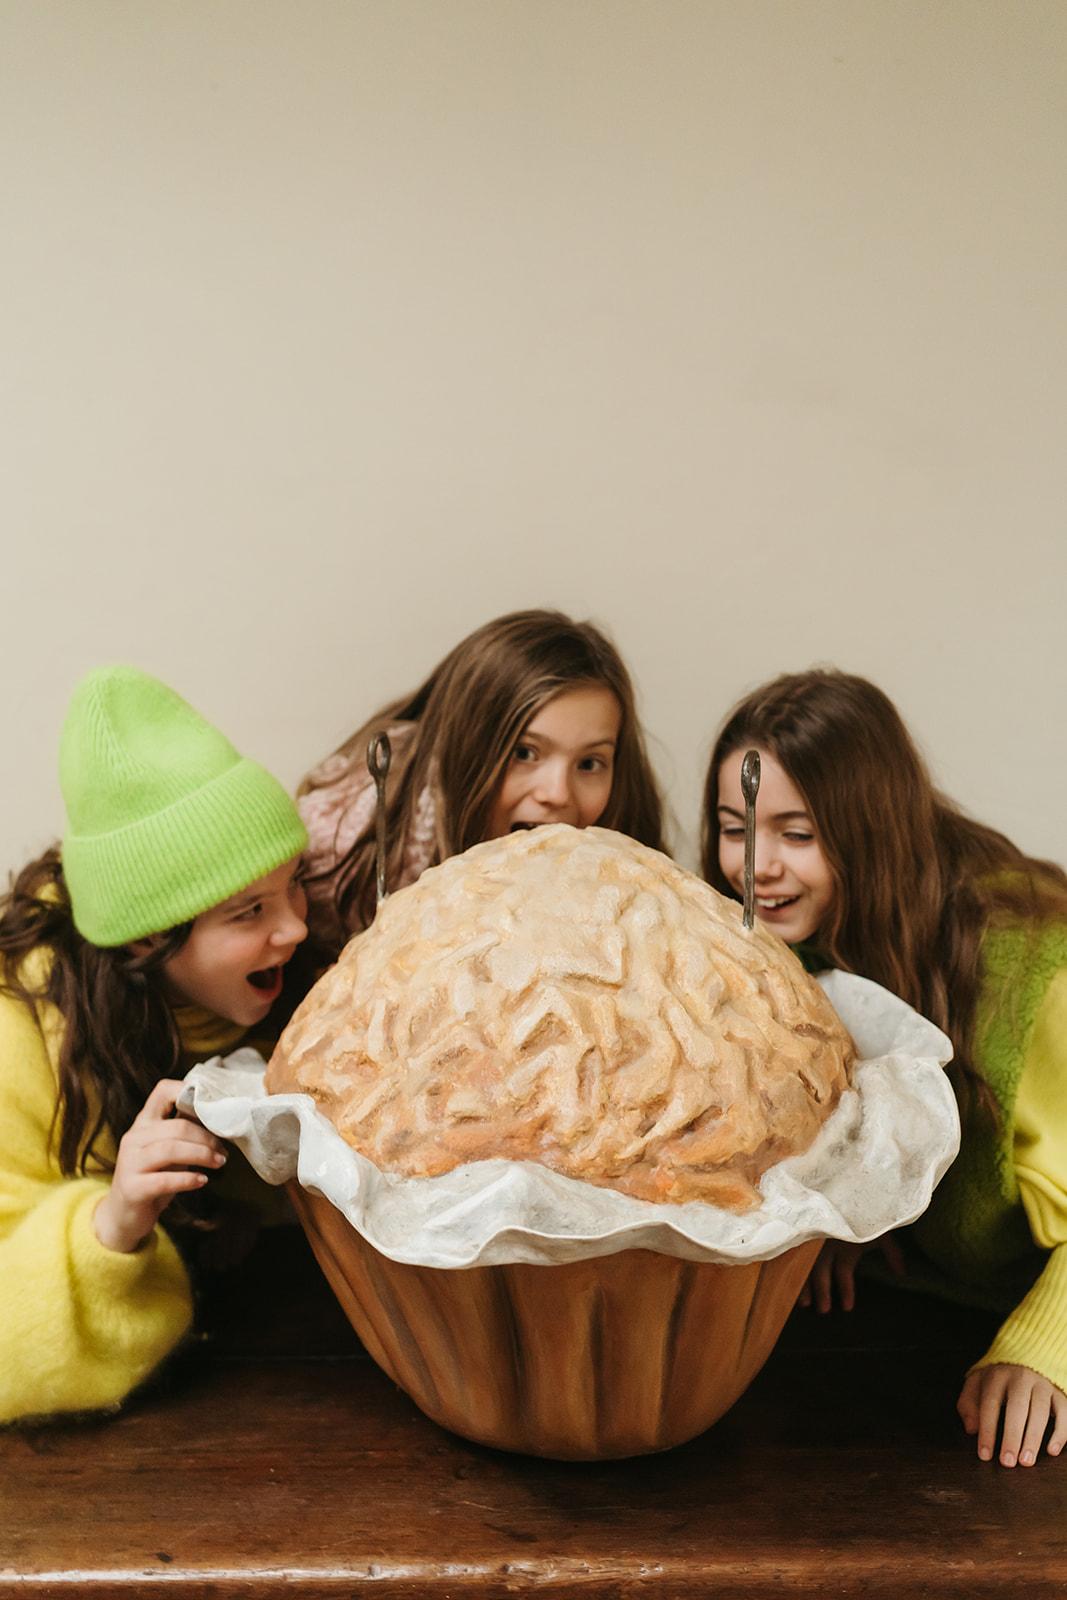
(332, 329)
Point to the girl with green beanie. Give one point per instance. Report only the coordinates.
(158, 934)
(862, 864)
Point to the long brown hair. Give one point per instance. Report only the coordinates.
(917, 882)
(469, 714)
(119, 1036)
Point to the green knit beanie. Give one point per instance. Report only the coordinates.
(164, 818)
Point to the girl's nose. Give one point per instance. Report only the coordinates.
(768, 864)
(289, 929)
(553, 787)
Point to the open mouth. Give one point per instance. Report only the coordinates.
(777, 902)
(267, 980)
(524, 827)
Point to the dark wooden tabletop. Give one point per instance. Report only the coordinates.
(274, 1458)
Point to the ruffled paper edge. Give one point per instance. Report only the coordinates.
(872, 1168)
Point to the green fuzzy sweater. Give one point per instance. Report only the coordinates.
(976, 1241)
(976, 1227)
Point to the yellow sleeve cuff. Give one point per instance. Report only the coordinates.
(1035, 1334)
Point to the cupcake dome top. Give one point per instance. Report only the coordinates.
(573, 998)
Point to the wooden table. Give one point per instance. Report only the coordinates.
(275, 1459)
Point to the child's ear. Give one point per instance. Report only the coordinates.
(143, 947)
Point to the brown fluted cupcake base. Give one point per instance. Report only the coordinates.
(617, 1356)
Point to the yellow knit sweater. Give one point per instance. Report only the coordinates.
(81, 1325)
(1035, 1334)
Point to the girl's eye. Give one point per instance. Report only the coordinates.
(524, 752)
(592, 764)
(798, 838)
(731, 830)
(250, 913)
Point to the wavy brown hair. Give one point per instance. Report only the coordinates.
(119, 1035)
(917, 882)
(468, 716)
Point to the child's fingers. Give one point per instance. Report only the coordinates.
(149, 1187)
(894, 1256)
(967, 1404)
(1058, 1437)
(845, 1274)
(1017, 1397)
(190, 1133)
(1036, 1423)
(175, 1151)
(162, 1100)
(990, 1400)
(143, 1138)
(835, 1263)
(820, 1282)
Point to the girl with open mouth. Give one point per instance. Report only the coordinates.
(159, 933)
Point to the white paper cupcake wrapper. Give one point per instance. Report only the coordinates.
(873, 1166)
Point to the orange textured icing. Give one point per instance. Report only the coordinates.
(576, 999)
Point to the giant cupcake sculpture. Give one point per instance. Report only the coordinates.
(566, 1135)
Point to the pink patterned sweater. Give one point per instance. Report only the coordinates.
(337, 812)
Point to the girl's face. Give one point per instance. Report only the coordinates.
(232, 961)
(794, 884)
(562, 767)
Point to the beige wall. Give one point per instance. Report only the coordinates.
(330, 330)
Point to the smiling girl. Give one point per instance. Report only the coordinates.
(159, 934)
(530, 719)
(793, 880)
(862, 864)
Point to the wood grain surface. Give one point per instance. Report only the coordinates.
(273, 1458)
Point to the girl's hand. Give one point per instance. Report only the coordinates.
(836, 1263)
(152, 1166)
(1027, 1401)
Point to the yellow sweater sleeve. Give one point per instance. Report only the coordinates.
(81, 1325)
(1035, 1334)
